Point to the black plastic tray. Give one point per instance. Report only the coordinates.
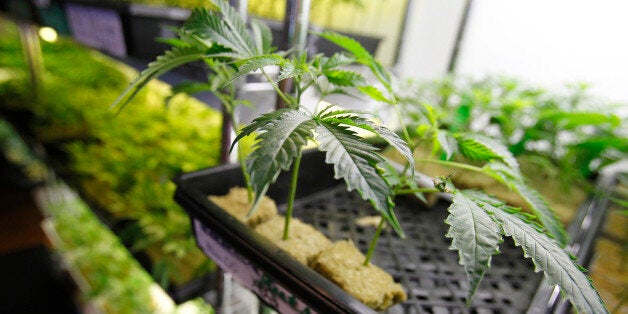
(422, 263)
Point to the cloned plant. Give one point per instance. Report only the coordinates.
(477, 221)
(571, 130)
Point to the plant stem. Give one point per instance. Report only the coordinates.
(291, 195)
(245, 174)
(404, 129)
(451, 164)
(230, 108)
(373, 243)
(419, 190)
(276, 88)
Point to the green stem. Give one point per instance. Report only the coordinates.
(276, 88)
(419, 190)
(451, 164)
(245, 174)
(293, 191)
(404, 129)
(241, 158)
(373, 243)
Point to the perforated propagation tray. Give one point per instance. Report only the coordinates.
(422, 263)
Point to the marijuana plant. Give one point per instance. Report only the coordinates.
(571, 130)
(478, 222)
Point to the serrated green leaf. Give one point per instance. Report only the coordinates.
(225, 28)
(292, 68)
(355, 161)
(570, 120)
(336, 60)
(351, 118)
(446, 142)
(262, 36)
(191, 87)
(349, 44)
(288, 68)
(374, 93)
(548, 256)
(482, 148)
(249, 65)
(282, 135)
(170, 60)
(344, 78)
(430, 113)
(361, 55)
(501, 172)
(543, 211)
(514, 181)
(474, 235)
(393, 140)
(237, 26)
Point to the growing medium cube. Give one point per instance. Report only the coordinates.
(304, 242)
(343, 264)
(236, 203)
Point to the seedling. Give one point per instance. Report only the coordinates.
(478, 222)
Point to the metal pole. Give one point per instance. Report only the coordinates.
(227, 128)
(296, 24)
(451, 67)
(241, 6)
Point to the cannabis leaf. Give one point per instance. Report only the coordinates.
(224, 27)
(546, 254)
(540, 208)
(446, 142)
(170, 60)
(477, 239)
(482, 148)
(249, 65)
(333, 62)
(294, 67)
(361, 55)
(205, 34)
(570, 120)
(351, 118)
(475, 235)
(355, 161)
(344, 78)
(506, 175)
(262, 36)
(392, 139)
(375, 93)
(282, 135)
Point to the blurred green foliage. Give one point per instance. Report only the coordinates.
(122, 164)
(114, 280)
(569, 130)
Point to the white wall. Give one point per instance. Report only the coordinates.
(550, 43)
(429, 38)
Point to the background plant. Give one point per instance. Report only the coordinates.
(114, 279)
(18, 154)
(572, 130)
(122, 166)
